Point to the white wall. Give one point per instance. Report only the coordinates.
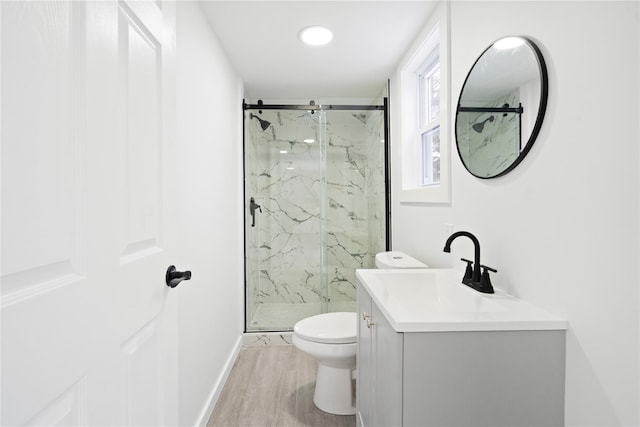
(562, 228)
(209, 96)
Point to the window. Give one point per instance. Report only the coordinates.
(431, 157)
(429, 120)
(424, 116)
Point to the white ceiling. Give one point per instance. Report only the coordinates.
(370, 37)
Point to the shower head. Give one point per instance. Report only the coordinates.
(479, 127)
(263, 123)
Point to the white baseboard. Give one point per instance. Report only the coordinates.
(217, 388)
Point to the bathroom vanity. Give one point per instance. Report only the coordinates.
(433, 352)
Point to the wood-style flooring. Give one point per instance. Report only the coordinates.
(272, 386)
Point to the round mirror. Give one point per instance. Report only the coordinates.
(501, 107)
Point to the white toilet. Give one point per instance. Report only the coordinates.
(331, 339)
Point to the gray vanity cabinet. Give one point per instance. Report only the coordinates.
(457, 378)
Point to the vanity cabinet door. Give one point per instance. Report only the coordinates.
(379, 363)
(365, 371)
(387, 354)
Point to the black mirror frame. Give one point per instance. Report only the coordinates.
(542, 108)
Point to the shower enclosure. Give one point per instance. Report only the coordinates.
(316, 203)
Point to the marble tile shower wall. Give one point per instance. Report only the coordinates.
(347, 213)
(376, 183)
(287, 177)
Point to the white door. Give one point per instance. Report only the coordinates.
(89, 333)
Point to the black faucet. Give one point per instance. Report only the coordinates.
(481, 282)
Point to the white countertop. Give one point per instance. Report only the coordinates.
(435, 300)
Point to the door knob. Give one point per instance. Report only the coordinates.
(174, 277)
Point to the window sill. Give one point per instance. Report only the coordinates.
(432, 194)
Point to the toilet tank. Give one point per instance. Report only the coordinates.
(397, 259)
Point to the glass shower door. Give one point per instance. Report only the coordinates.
(355, 191)
(316, 199)
(285, 176)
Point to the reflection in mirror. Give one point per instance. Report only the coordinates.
(501, 107)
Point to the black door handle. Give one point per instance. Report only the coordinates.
(174, 277)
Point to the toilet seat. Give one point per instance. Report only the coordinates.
(328, 328)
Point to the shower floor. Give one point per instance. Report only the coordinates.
(282, 316)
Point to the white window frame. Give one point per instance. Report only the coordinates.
(434, 40)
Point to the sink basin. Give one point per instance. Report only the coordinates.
(423, 300)
(429, 291)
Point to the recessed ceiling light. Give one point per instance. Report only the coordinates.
(315, 35)
(309, 140)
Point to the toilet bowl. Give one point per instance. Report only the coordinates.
(330, 338)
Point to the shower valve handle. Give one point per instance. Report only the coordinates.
(252, 210)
